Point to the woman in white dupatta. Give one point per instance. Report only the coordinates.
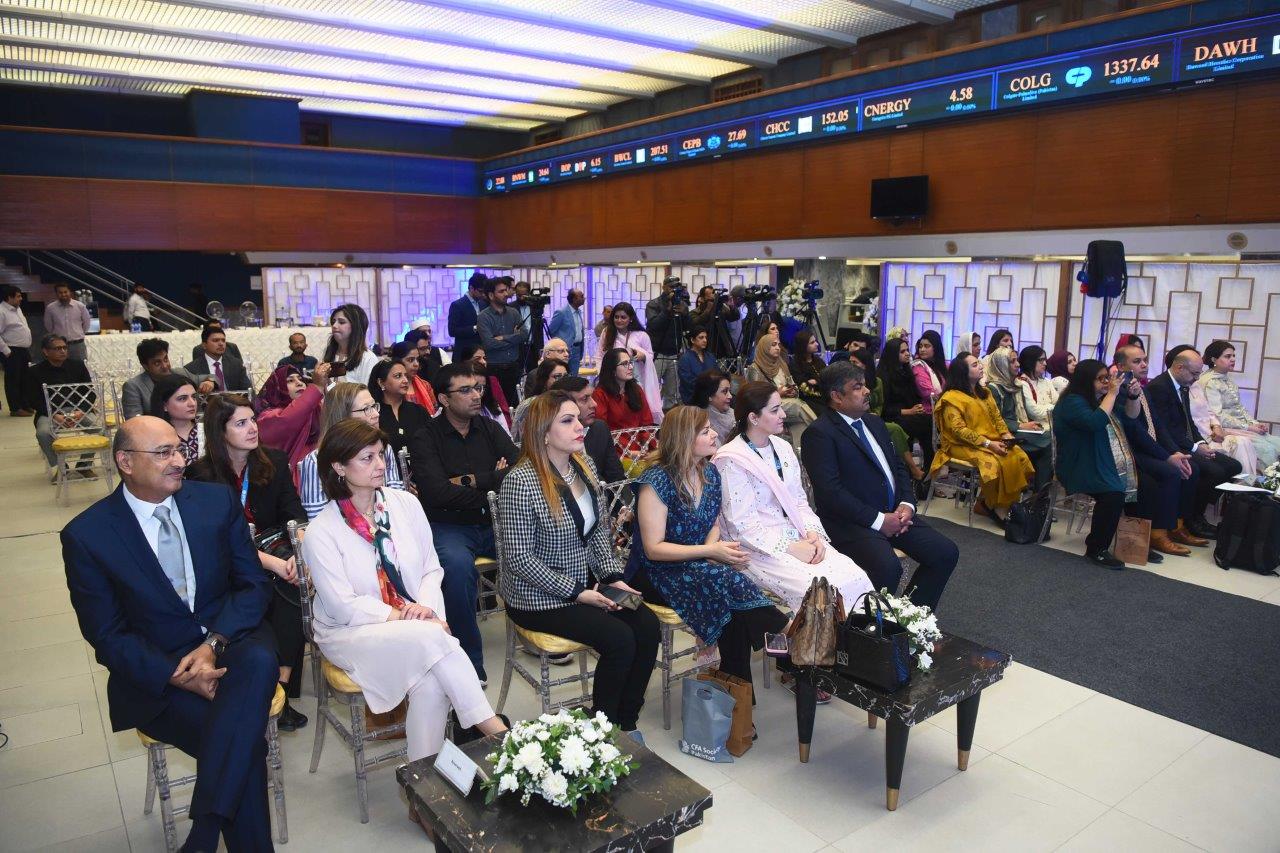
(765, 510)
(624, 330)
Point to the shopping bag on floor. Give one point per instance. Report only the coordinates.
(740, 732)
(1133, 540)
(707, 712)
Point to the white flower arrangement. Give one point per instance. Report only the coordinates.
(921, 624)
(791, 300)
(1269, 479)
(560, 757)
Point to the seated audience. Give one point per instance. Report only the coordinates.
(1061, 365)
(153, 355)
(971, 430)
(1223, 398)
(297, 356)
(198, 351)
(864, 495)
(419, 392)
(227, 371)
(1006, 390)
(260, 478)
(620, 401)
(558, 546)
(191, 666)
(348, 327)
(494, 404)
(865, 358)
(679, 559)
(1168, 396)
(288, 408)
(902, 402)
(973, 347)
(457, 459)
(430, 358)
(924, 370)
(765, 509)
(1167, 482)
(554, 348)
(568, 326)
(547, 373)
(343, 400)
(806, 367)
(769, 366)
(1039, 394)
(1238, 447)
(625, 332)
(713, 393)
(937, 358)
(999, 338)
(398, 418)
(695, 360)
(57, 368)
(379, 612)
(1094, 457)
(1128, 340)
(597, 443)
(174, 400)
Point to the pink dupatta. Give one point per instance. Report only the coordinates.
(740, 452)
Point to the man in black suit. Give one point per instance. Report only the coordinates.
(226, 370)
(232, 349)
(169, 592)
(464, 310)
(1169, 397)
(864, 494)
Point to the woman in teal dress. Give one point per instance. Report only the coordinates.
(680, 560)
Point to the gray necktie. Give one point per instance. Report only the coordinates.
(170, 553)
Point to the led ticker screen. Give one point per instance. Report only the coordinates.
(1194, 55)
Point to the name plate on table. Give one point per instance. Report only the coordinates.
(453, 764)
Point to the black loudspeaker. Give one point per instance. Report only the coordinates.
(1105, 272)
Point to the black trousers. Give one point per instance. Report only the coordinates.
(1218, 469)
(920, 428)
(285, 619)
(1107, 509)
(626, 641)
(226, 737)
(1163, 496)
(873, 552)
(15, 376)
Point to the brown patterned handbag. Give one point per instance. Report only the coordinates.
(814, 630)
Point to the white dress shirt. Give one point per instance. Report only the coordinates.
(71, 320)
(14, 331)
(137, 307)
(145, 511)
(880, 458)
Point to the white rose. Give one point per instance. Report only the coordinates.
(507, 782)
(530, 758)
(554, 788)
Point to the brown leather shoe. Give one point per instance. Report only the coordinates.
(1161, 541)
(1186, 537)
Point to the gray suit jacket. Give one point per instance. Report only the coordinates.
(135, 394)
(232, 370)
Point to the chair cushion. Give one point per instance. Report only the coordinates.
(549, 643)
(665, 615)
(486, 564)
(338, 679)
(277, 705)
(80, 442)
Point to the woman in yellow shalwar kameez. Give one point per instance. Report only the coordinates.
(971, 430)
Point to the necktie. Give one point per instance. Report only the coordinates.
(866, 442)
(217, 371)
(1185, 393)
(1146, 413)
(169, 553)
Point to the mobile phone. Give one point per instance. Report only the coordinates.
(777, 645)
(336, 369)
(1126, 377)
(621, 597)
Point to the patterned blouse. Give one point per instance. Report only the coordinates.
(1224, 400)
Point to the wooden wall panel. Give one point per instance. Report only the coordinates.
(1254, 188)
(683, 203)
(43, 212)
(624, 209)
(132, 214)
(906, 153)
(970, 183)
(767, 195)
(837, 185)
(1203, 151)
(364, 219)
(217, 214)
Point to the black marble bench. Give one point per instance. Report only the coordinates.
(645, 810)
(961, 671)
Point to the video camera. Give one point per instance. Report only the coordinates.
(537, 298)
(679, 293)
(759, 293)
(812, 291)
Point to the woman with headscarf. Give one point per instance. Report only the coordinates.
(1005, 388)
(1061, 365)
(902, 403)
(288, 409)
(769, 366)
(970, 342)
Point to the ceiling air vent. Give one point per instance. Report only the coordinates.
(737, 89)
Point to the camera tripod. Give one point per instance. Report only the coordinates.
(813, 321)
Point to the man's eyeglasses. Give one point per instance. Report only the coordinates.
(468, 389)
(165, 452)
(57, 348)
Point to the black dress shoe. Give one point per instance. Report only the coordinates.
(290, 720)
(1105, 558)
(1154, 557)
(1203, 529)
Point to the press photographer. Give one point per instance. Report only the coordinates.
(530, 303)
(667, 317)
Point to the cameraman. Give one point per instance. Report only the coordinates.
(530, 313)
(667, 318)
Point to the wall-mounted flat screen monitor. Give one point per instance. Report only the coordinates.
(900, 198)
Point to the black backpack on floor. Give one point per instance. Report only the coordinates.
(1249, 533)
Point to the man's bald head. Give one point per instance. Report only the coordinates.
(147, 470)
(1187, 367)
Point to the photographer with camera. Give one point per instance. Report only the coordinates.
(667, 317)
(568, 325)
(530, 302)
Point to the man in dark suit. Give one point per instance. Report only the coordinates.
(232, 349)
(464, 310)
(168, 589)
(226, 370)
(864, 494)
(1169, 397)
(567, 325)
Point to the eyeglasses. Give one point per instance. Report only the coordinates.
(468, 389)
(58, 348)
(363, 409)
(165, 452)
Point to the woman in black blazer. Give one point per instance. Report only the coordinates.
(397, 417)
(261, 479)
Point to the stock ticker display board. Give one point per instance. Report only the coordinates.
(1191, 56)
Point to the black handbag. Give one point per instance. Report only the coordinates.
(1028, 518)
(1249, 533)
(874, 648)
(276, 543)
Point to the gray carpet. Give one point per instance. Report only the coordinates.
(1206, 658)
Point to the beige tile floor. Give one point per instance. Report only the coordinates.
(1055, 766)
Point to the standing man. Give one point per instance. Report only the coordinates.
(464, 310)
(227, 371)
(137, 309)
(15, 346)
(457, 459)
(566, 324)
(502, 336)
(56, 369)
(70, 318)
(297, 356)
(864, 495)
(667, 318)
(169, 592)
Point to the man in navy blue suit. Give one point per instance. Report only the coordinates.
(567, 325)
(864, 494)
(168, 589)
(464, 310)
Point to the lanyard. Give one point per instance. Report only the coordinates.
(777, 463)
(244, 486)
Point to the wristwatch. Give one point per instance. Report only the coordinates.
(217, 642)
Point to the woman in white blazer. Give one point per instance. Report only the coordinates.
(379, 614)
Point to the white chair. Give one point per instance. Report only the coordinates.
(961, 477)
(77, 418)
(632, 445)
(1080, 507)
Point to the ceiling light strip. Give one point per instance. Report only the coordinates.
(738, 17)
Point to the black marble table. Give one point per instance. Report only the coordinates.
(961, 671)
(645, 810)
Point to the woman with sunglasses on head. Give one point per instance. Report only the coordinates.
(343, 400)
(174, 399)
(260, 478)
